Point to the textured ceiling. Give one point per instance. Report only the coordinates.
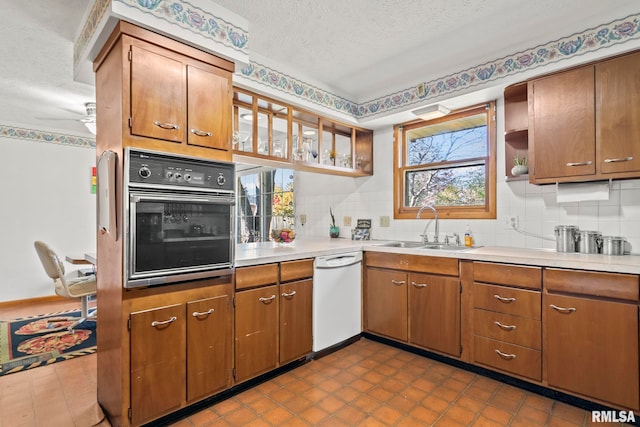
(359, 49)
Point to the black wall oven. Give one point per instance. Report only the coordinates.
(179, 215)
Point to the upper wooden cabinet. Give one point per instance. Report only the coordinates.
(516, 125)
(584, 123)
(169, 97)
(272, 130)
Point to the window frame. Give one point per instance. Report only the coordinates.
(488, 211)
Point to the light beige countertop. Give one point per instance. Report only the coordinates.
(263, 253)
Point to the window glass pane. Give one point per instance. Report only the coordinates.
(448, 141)
(460, 186)
(263, 133)
(343, 151)
(242, 137)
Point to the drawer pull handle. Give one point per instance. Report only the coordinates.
(398, 282)
(503, 299)
(505, 327)
(265, 300)
(157, 323)
(166, 125)
(200, 132)
(618, 160)
(288, 295)
(587, 163)
(418, 285)
(506, 356)
(564, 310)
(202, 313)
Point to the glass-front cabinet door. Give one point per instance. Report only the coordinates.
(268, 129)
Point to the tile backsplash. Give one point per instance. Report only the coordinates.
(534, 206)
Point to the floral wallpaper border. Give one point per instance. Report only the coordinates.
(48, 137)
(591, 40)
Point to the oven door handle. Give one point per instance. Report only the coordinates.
(135, 198)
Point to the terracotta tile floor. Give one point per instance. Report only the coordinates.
(364, 384)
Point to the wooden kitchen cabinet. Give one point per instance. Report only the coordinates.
(180, 353)
(584, 123)
(414, 299)
(158, 368)
(167, 96)
(591, 335)
(296, 332)
(434, 312)
(516, 125)
(386, 303)
(507, 326)
(273, 316)
(562, 126)
(256, 331)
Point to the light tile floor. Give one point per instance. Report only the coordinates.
(364, 384)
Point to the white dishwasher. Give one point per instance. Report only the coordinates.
(337, 299)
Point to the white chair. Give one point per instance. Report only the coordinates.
(71, 285)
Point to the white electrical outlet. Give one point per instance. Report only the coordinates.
(513, 222)
(384, 221)
(346, 221)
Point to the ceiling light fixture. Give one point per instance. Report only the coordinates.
(309, 132)
(91, 126)
(431, 112)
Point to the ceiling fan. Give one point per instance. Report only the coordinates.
(89, 119)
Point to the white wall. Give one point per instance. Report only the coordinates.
(45, 194)
(535, 206)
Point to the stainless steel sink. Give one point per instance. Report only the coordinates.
(403, 244)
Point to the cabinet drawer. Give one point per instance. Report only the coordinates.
(417, 263)
(257, 275)
(294, 270)
(611, 285)
(508, 357)
(507, 274)
(522, 331)
(502, 299)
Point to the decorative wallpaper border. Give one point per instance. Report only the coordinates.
(99, 8)
(196, 20)
(590, 40)
(48, 137)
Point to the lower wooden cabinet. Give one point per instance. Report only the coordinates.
(256, 331)
(591, 348)
(273, 322)
(179, 354)
(157, 362)
(421, 309)
(386, 303)
(434, 312)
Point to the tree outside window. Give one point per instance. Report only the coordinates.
(448, 163)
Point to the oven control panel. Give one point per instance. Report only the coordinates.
(146, 167)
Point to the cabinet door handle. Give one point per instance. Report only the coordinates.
(203, 313)
(288, 295)
(156, 323)
(200, 132)
(265, 300)
(418, 285)
(398, 282)
(503, 299)
(505, 356)
(619, 159)
(587, 163)
(505, 327)
(562, 309)
(166, 125)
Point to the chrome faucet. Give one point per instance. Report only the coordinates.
(425, 238)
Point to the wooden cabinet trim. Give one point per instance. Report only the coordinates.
(257, 275)
(416, 263)
(294, 270)
(508, 274)
(597, 284)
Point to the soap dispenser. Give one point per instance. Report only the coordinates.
(468, 237)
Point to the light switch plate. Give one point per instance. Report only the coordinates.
(346, 221)
(303, 219)
(384, 221)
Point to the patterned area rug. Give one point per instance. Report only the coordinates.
(35, 341)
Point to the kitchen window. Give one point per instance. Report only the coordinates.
(449, 163)
(265, 198)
